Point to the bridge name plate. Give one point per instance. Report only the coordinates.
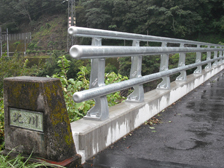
(26, 119)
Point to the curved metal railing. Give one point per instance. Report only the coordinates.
(98, 90)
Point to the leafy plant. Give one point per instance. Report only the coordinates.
(70, 86)
(114, 98)
(17, 43)
(75, 110)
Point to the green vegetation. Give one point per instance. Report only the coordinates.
(20, 66)
(15, 66)
(22, 162)
(183, 19)
(70, 86)
(58, 67)
(198, 20)
(13, 12)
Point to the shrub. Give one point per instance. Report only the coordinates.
(70, 86)
(14, 66)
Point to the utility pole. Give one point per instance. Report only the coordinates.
(1, 39)
(7, 34)
(71, 22)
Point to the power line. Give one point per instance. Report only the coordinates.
(71, 22)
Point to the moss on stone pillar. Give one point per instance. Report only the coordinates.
(34, 97)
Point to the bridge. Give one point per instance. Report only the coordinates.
(103, 126)
(189, 134)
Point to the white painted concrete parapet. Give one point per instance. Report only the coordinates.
(91, 137)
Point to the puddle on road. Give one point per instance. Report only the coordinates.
(185, 144)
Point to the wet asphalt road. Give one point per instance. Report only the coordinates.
(190, 135)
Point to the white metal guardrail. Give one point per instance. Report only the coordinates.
(97, 53)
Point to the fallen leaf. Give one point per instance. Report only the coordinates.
(128, 147)
(152, 127)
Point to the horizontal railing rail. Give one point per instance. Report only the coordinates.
(107, 34)
(94, 52)
(98, 53)
(107, 89)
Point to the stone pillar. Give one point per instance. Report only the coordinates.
(36, 120)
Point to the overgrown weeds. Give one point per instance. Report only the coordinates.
(22, 162)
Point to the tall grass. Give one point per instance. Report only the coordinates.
(22, 162)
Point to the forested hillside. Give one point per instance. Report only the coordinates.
(183, 18)
(191, 19)
(201, 20)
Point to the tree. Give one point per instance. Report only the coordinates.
(22, 8)
(17, 11)
(98, 13)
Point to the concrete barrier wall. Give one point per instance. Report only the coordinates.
(91, 137)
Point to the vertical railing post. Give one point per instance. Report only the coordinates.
(220, 55)
(222, 60)
(100, 111)
(209, 66)
(136, 67)
(164, 66)
(215, 56)
(25, 47)
(198, 59)
(183, 74)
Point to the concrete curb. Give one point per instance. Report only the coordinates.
(91, 137)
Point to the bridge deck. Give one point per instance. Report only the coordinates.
(190, 134)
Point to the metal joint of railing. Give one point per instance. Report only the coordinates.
(97, 53)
